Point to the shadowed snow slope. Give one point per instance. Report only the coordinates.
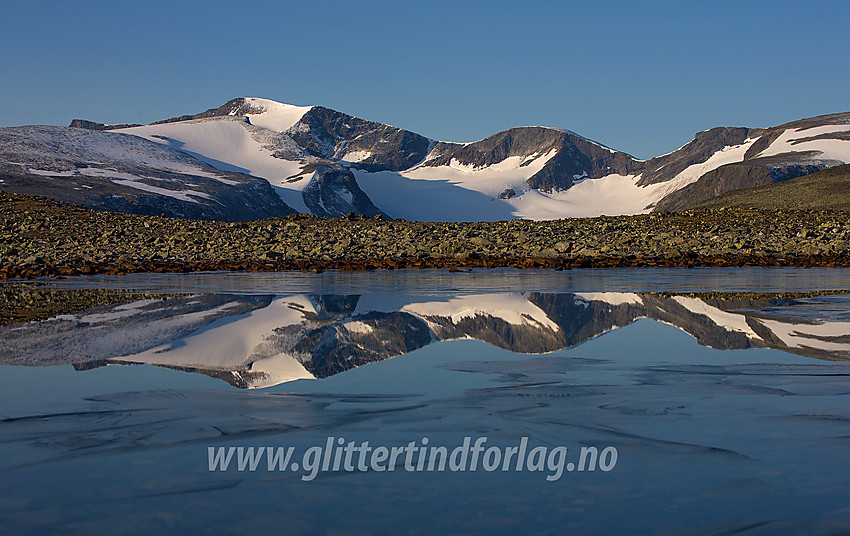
(122, 173)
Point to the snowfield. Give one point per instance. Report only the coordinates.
(232, 342)
(275, 116)
(227, 143)
(830, 149)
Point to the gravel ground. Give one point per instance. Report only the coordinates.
(42, 237)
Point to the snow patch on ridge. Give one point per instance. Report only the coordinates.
(48, 173)
(727, 155)
(358, 327)
(275, 116)
(831, 149)
(356, 156)
(182, 195)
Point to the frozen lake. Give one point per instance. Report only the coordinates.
(703, 401)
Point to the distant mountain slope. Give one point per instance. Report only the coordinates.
(117, 172)
(825, 190)
(528, 172)
(330, 163)
(510, 174)
(772, 155)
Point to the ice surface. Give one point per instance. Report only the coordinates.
(230, 342)
(709, 441)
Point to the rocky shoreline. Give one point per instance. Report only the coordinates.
(41, 237)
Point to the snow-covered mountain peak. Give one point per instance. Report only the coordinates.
(273, 115)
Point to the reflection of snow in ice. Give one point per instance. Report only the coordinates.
(732, 321)
(813, 335)
(512, 308)
(232, 341)
(613, 298)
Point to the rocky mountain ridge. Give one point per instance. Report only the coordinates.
(329, 163)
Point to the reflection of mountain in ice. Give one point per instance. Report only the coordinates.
(258, 341)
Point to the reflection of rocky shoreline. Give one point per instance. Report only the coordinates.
(29, 303)
(256, 341)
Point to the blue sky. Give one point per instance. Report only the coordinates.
(641, 77)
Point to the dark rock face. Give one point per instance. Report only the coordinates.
(522, 141)
(731, 177)
(508, 193)
(238, 106)
(91, 125)
(721, 180)
(329, 305)
(326, 133)
(762, 143)
(498, 332)
(105, 171)
(579, 158)
(700, 149)
(575, 157)
(581, 320)
(334, 192)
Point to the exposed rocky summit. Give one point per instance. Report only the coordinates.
(333, 191)
(238, 106)
(573, 157)
(326, 133)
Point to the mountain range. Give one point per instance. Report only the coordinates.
(253, 158)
